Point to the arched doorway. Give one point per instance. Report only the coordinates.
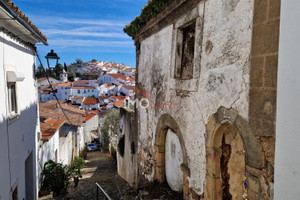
(170, 150)
(228, 163)
(231, 150)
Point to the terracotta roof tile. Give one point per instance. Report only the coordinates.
(90, 101)
(118, 103)
(49, 127)
(116, 76)
(64, 84)
(25, 18)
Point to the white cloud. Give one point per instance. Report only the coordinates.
(90, 43)
(75, 32)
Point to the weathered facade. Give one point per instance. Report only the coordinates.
(210, 71)
(127, 159)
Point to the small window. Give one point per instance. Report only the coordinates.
(185, 48)
(12, 98)
(78, 91)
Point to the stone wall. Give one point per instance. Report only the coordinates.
(263, 83)
(127, 168)
(221, 82)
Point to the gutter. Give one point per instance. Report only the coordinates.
(16, 18)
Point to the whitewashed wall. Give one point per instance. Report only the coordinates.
(46, 152)
(89, 126)
(223, 81)
(287, 151)
(18, 138)
(65, 149)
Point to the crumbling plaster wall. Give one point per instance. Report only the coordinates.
(225, 47)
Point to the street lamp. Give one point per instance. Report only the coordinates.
(52, 56)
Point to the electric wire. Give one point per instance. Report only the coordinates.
(51, 87)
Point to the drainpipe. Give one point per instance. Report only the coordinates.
(19, 20)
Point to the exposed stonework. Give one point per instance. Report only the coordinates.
(229, 85)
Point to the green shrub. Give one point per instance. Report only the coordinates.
(56, 176)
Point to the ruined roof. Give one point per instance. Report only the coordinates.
(19, 13)
(150, 11)
(49, 127)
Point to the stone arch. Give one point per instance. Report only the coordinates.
(166, 122)
(226, 121)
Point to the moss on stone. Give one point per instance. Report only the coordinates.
(150, 11)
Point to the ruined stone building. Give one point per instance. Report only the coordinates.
(206, 116)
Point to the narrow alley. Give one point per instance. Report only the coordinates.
(100, 168)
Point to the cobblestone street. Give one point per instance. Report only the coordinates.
(100, 168)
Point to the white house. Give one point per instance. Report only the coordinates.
(84, 91)
(63, 90)
(43, 81)
(91, 127)
(18, 106)
(116, 79)
(48, 148)
(90, 103)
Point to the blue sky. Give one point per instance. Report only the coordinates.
(85, 29)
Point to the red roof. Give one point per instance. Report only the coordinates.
(116, 76)
(128, 87)
(16, 10)
(64, 84)
(90, 101)
(115, 98)
(118, 103)
(84, 82)
(49, 127)
(90, 116)
(131, 79)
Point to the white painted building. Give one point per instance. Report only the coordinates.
(19, 122)
(91, 127)
(48, 146)
(287, 163)
(43, 81)
(84, 91)
(63, 90)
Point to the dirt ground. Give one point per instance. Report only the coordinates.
(101, 168)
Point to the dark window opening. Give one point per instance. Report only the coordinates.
(185, 52)
(12, 97)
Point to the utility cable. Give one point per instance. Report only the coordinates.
(51, 87)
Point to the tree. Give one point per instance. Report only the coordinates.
(65, 67)
(79, 74)
(58, 69)
(111, 122)
(94, 60)
(78, 61)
